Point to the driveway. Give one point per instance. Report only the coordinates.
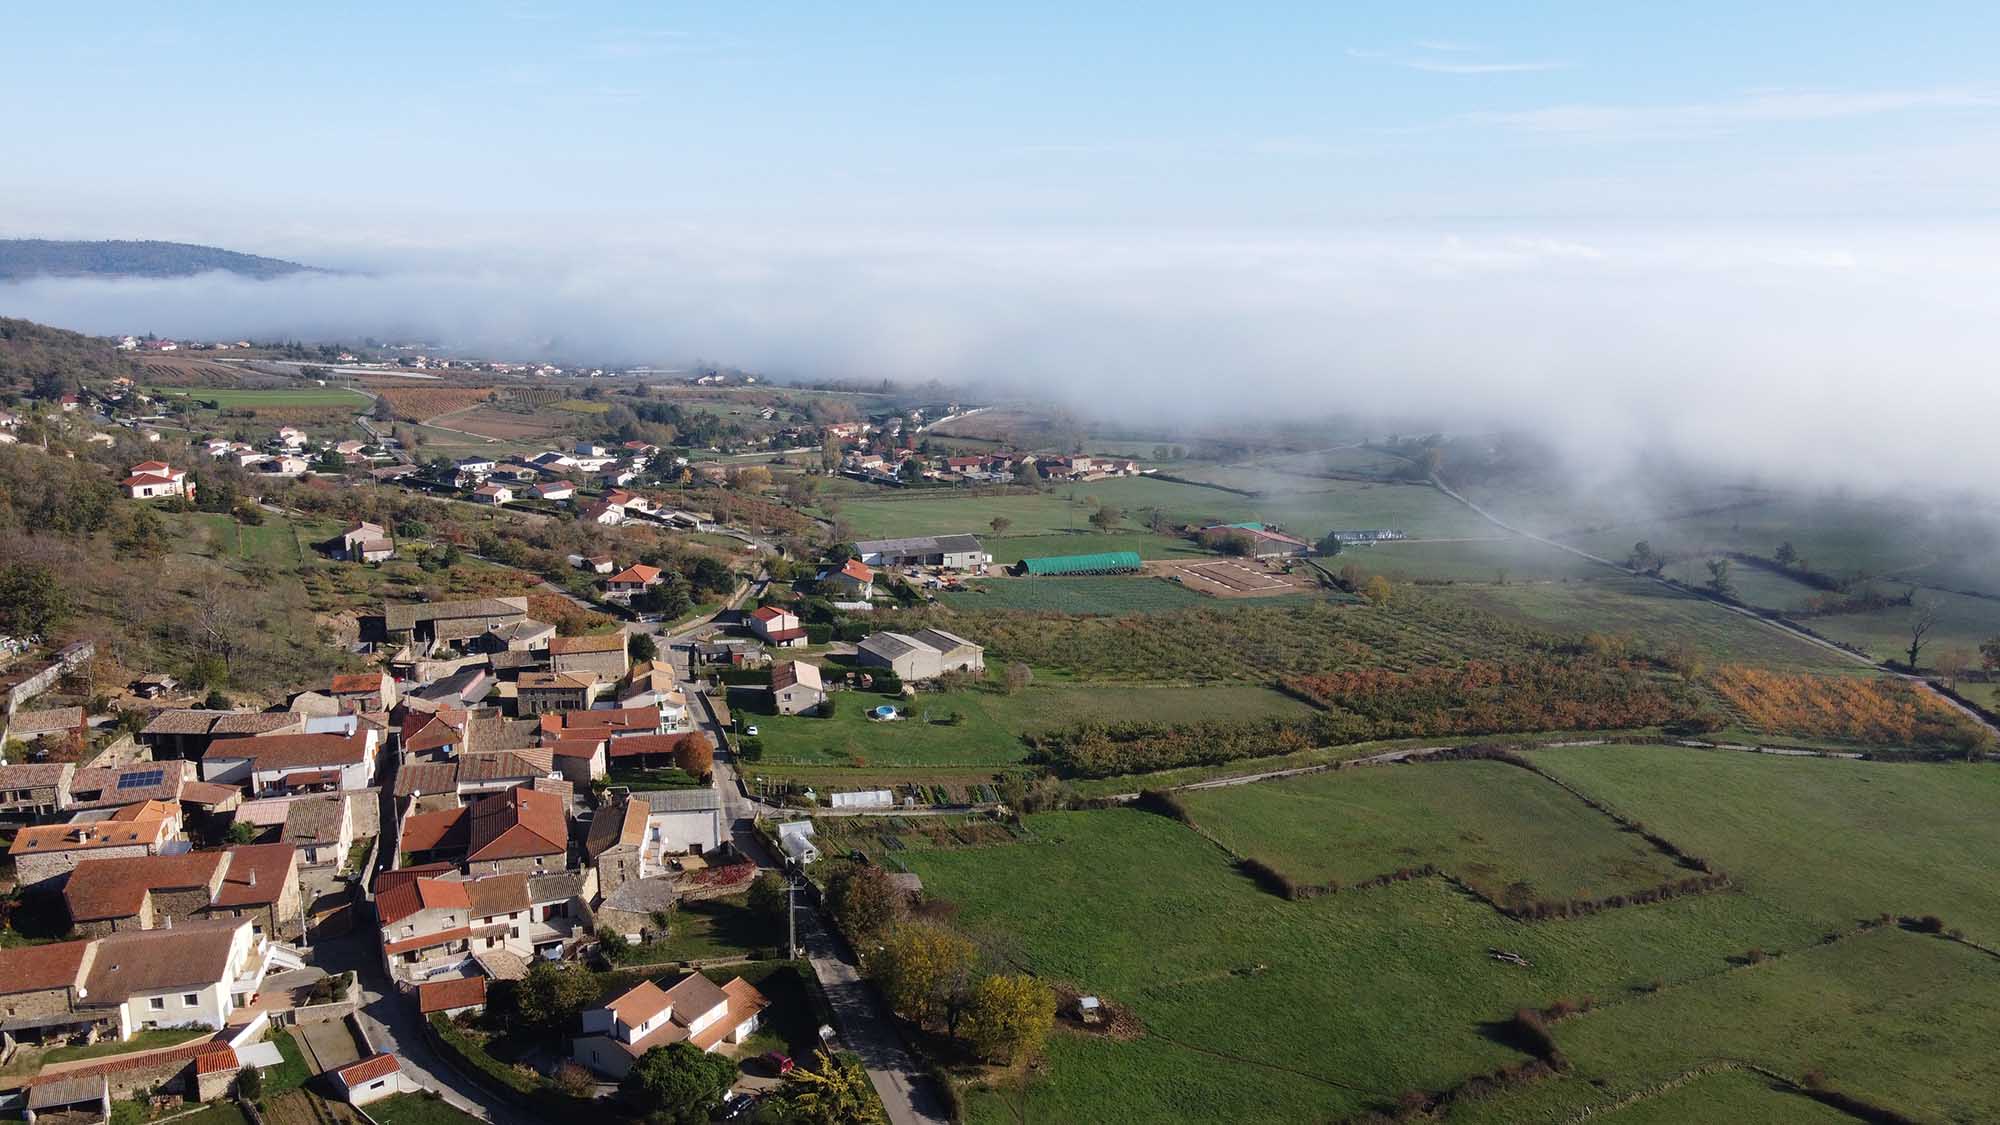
(392, 1024)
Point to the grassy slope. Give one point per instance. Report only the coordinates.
(1495, 825)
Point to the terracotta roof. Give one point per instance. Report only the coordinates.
(147, 827)
(784, 634)
(131, 961)
(425, 941)
(597, 642)
(182, 721)
(293, 751)
(185, 1051)
(315, 820)
(497, 894)
(32, 968)
(743, 1000)
(625, 825)
(208, 792)
(554, 681)
(173, 775)
(503, 764)
(434, 731)
(639, 1003)
(214, 1058)
(519, 822)
(855, 568)
(446, 995)
(637, 572)
(401, 875)
(257, 874)
(644, 717)
(574, 746)
(33, 775)
(414, 778)
(769, 613)
(46, 721)
(101, 889)
(256, 722)
(791, 673)
(691, 997)
(404, 899)
(356, 682)
(633, 745)
(432, 831)
(368, 1070)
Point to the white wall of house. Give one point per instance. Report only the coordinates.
(679, 831)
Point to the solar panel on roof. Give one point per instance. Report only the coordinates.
(141, 780)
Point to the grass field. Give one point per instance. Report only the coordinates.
(993, 722)
(1499, 827)
(1390, 989)
(1651, 612)
(1963, 623)
(1825, 842)
(1327, 1007)
(417, 1109)
(1422, 511)
(1075, 595)
(240, 398)
(1474, 560)
(1014, 548)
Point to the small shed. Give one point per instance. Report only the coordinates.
(796, 838)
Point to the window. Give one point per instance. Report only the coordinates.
(377, 1084)
(157, 1003)
(190, 999)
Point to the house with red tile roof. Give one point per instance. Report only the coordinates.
(276, 763)
(256, 882)
(633, 580)
(426, 925)
(602, 653)
(695, 1010)
(452, 997)
(372, 1079)
(363, 691)
(852, 579)
(519, 830)
(777, 625)
(44, 854)
(154, 480)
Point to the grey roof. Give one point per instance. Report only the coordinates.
(889, 646)
(920, 545)
(941, 640)
(514, 660)
(257, 722)
(315, 820)
(501, 965)
(520, 630)
(426, 777)
(68, 1091)
(33, 775)
(399, 618)
(704, 799)
(642, 896)
(555, 887)
(502, 765)
(464, 685)
(487, 733)
(187, 720)
(43, 722)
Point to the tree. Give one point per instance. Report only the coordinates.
(1106, 517)
(1018, 677)
(912, 470)
(767, 897)
(1719, 581)
(1922, 622)
(32, 600)
(834, 1091)
(751, 478)
(999, 524)
(696, 755)
(1378, 590)
(1029, 475)
(552, 995)
(642, 647)
(1330, 545)
(1786, 554)
(1643, 558)
(679, 1082)
(925, 972)
(1989, 654)
(329, 461)
(1951, 663)
(242, 832)
(216, 701)
(864, 902)
(144, 535)
(1009, 1017)
(250, 1083)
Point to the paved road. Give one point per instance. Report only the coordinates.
(391, 1022)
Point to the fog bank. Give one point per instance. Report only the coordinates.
(1855, 357)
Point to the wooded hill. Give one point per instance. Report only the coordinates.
(22, 258)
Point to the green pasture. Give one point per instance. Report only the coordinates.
(1516, 836)
(229, 398)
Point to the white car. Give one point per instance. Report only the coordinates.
(750, 730)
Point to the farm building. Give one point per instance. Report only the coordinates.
(923, 655)
(1106, 562)
(953, 552)
(1263, 542)
(1372, 535)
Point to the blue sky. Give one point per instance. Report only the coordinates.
(293, 120)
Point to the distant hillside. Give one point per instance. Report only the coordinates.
(37, 359)
(22, 258)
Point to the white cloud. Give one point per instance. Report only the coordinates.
(1759, 107)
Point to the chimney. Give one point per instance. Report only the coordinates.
(253, 876)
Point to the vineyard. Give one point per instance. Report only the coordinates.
(1879, 712)
(739, 508)
(1075, 595)
(1491, 698)
(414, 404)
(1255, 642)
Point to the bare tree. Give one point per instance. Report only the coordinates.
(1922, 622)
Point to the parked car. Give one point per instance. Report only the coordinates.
(735, 1105)
(779, 1061)
(751, 730)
